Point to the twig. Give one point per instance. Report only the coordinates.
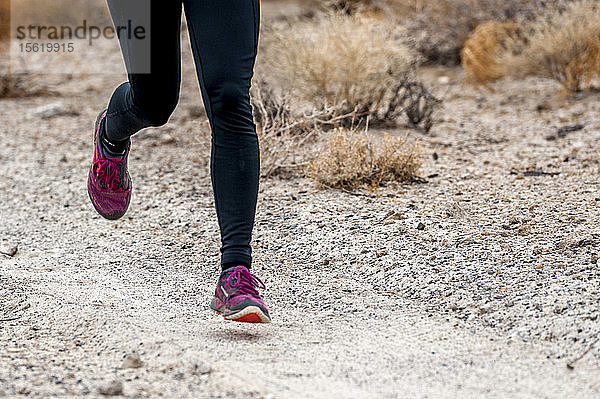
(571, 365)
(370, 195)
(11, 318)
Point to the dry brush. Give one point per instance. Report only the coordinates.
(352, 158)
(563, 45)
(361, 67)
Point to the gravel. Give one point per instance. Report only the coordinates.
(479, 282)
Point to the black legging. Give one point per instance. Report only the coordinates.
(224, 37)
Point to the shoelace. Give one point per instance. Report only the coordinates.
(245, 282)
(107, 171)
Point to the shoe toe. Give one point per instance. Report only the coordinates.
(110, 205)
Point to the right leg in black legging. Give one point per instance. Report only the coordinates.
(147, 99)
(224, 37)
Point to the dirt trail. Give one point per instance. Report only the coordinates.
(483, 282)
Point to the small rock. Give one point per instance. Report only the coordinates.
(455, 210)
(483, 309)
(444, 80)
(112, 388)
(543, 106)
(196, 112)
(381, 253)
(420, 226)
(558, 309)
(167, 139)
(201, 367)
(11, 251)
(132, 361)
(52, 110)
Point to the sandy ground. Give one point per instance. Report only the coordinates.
(482, 282)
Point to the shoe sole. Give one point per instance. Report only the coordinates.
(114, 216)
(250, 314)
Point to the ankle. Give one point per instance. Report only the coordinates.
(112, 147)
(229, 265)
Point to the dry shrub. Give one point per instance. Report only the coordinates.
(285, 136)
(4, 24)
(349, 7)
(22, 85)
(372, 8)
(563, 45)
(352, 159)
(483, 50)
(60, 12)
(441, 27)
(360, 66)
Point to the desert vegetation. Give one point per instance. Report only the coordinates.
(399, 203)
(338, 72)
(439, 29)
(353, 60)
(563, 44)
(360, 66)
(4, 22)
(347, 62)
(351, 158)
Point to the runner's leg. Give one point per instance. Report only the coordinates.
(147, 99)
(224, 36)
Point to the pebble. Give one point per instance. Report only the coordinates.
(112, 388)
(51, 110)
(132, 361)
(201, 367)
(485, 308)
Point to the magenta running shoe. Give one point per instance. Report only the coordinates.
(236, 297)
(109, 184)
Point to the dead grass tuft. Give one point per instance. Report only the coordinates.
(482, 51)
(441, 27)
(4, 24)
(17, 86)
(360, 66)
(284, 136)
(563, 45)
(352, 159)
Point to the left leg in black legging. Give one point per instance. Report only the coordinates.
(147, 99)
(224, 36)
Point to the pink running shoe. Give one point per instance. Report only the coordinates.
(109, 184)
(236, 297)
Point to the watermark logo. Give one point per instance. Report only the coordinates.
(80, 36)
(85, 31)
